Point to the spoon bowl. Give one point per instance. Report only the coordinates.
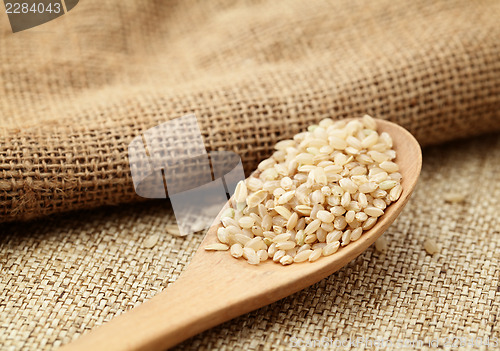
(215, 287)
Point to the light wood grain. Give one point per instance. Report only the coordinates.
(215, 287)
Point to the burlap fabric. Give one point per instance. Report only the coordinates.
(62, 276)
(77, 90)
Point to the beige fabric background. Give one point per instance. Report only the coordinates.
(75, 91)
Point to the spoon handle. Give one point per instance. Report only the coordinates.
(194, 303)
(209, 292)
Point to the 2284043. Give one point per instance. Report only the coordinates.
(17, 7)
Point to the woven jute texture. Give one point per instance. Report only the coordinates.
(77, 90)
(63, 276)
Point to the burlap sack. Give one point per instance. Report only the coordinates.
(75, 91)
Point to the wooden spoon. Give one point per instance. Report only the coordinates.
(215, 287)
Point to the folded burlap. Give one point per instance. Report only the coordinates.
(77, 90)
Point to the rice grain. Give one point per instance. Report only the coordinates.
(151, 241)
(236, 250)
(330, 249)
(217, 247)
(381, 244)
(431, 247)
(302, 256)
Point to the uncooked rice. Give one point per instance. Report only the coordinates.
(216, 247)
(381, 244)
(431, 247)
(318, 192)
(151, 241)
(454, 197)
